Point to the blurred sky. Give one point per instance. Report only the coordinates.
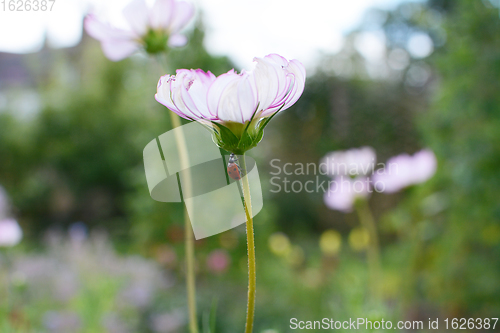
(241, 29)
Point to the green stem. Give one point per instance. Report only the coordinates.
(252, 283)
(188, 231)
(373, 252)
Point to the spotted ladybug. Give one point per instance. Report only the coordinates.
(233, 169)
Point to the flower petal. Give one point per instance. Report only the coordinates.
(217, 89)
(247, 97)
(198, 92)
(164, 96)
(268, 77)
(183, 12)
(177, 40)
(117, 50)
(161, 14)
(103, 31)
(343, 191)
(136, 14)
(299, 78)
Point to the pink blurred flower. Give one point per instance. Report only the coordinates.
(275, 84)
(10, 232)
(405, 170)
(218, 261)
(357, 161)
(152, 29)
(343, 192)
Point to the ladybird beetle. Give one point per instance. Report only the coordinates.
(233, 169)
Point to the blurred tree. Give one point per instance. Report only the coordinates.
(462, 127)
(80, 157)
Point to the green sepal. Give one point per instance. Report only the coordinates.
(155, 41)
(224, 137)
(238, 138)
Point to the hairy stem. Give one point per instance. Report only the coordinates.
(252, 284)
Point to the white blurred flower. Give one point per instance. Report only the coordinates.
(405, 170)
(167, 322)
(357, 161)
(10, 232)
(4, 203)
(61, 321)
(152, 28)
(343, 192)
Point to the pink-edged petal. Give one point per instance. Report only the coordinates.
(198, 92)
(229, 109)
(183, 13)
(267, 77)
(285, 82)
(247, 97)
(117, 50)
(185, 80)
(299, 78)
(217, 89)
(164, 96)
(206, 78)
(276, 58)
(136, 14)
(161, 14)
(177, 40)
(102, 31)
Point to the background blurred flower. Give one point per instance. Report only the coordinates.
(357, 161)
(343, 192)
(359, 239)
(296, 256)
(405, 170)
(167, 322)
(239, 105)
(4, 203)
(153, 29)
(279, 244)
(10, 232)
(61, 321)
(330, 242)
(218, 261)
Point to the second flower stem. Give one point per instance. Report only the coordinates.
(188, 231)
(252, 282)
(373, 252)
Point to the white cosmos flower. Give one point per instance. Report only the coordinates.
(239, 104)
(275, 84)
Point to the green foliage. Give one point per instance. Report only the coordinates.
(80, 159)
(462, 128)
